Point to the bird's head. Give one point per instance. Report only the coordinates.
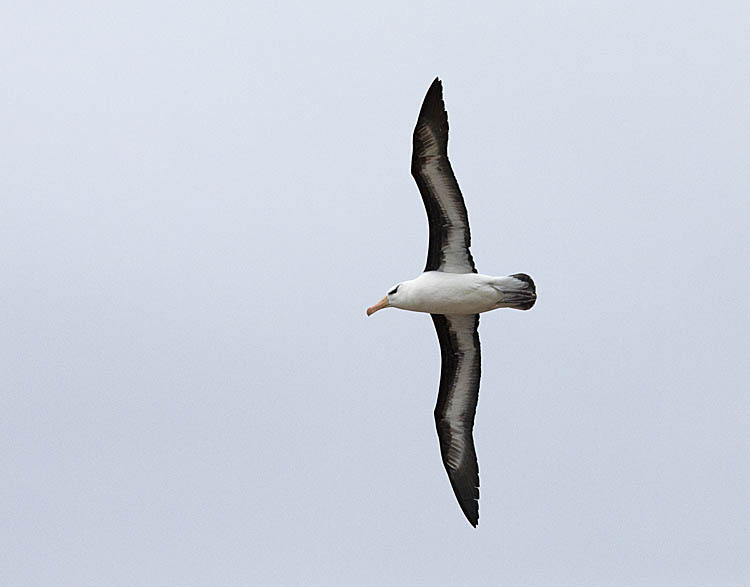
(390, 299)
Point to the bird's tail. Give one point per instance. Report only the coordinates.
(517, 291)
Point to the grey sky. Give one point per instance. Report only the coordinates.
(197, 204)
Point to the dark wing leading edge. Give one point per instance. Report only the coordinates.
(456, 405)
(446, 212)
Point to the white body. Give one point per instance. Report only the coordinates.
(436, 292)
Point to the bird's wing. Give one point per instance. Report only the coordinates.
(457, 404)
(446, 212)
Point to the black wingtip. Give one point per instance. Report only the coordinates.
(473, 518)
(471, 511)
(466, 490)
(433, 115)
(434, 92)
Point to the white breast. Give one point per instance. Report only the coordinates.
(436, 292)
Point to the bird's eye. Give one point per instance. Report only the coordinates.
(394, 290)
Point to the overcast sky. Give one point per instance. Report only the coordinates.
(197, 203)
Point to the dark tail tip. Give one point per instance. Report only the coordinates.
(526, 279)
(526, 297)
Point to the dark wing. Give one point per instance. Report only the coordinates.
(457, 404)
(449, 224)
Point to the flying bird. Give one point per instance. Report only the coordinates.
(454, 294)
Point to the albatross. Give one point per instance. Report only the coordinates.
(454, 294)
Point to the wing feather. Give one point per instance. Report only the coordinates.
(456, 406)
(450, 237)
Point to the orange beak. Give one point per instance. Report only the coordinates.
(379, 306)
